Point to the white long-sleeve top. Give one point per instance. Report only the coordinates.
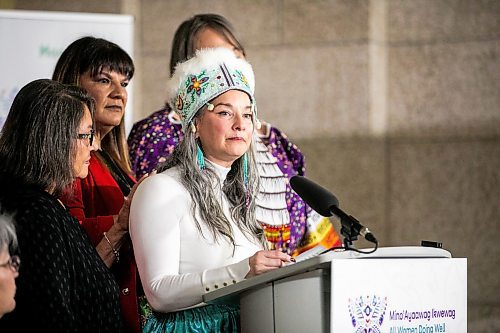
(178, 264)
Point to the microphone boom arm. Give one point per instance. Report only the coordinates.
(351, 227)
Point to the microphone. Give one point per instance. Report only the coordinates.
(326, 204)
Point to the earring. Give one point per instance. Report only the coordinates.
(258, 124)
(245, 170)
(193, 128)
(245, 180)
(200, 157)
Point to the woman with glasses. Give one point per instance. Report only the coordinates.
(63, 285)
(9, 265)
(101, 201)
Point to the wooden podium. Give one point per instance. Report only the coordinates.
(394, 290)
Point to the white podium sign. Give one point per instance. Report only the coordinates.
(404, 289)
(399, 295)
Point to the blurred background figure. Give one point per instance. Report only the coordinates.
(101, 201)
(9, 264)
(63, 286)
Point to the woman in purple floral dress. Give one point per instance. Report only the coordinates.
(282, 213)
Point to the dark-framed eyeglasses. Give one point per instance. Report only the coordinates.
(14, 262)
(87, 136)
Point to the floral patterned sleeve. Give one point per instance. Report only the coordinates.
(152, 140)
(290, 159)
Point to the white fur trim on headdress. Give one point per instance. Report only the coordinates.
(210, 73)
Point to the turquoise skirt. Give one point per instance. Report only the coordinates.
(208, 318)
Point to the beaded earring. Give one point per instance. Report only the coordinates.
(245, 179)
(245, 170)
(200, 158)
(258, 124)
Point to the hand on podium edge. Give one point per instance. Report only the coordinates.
(267, 260)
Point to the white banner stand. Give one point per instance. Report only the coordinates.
(32, 42)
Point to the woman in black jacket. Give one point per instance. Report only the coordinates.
(63, 285)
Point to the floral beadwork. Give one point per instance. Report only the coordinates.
(202, 78)
(241, 77)
(197, 84)
(206, 85)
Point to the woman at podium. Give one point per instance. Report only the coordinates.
(192, 224)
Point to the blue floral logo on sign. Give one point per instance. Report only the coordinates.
(367, 313)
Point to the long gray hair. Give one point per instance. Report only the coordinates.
(199, 185)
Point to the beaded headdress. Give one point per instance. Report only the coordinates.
(209, 74)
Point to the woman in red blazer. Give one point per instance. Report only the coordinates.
(101, 201)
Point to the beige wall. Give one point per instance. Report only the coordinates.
(395, 104)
